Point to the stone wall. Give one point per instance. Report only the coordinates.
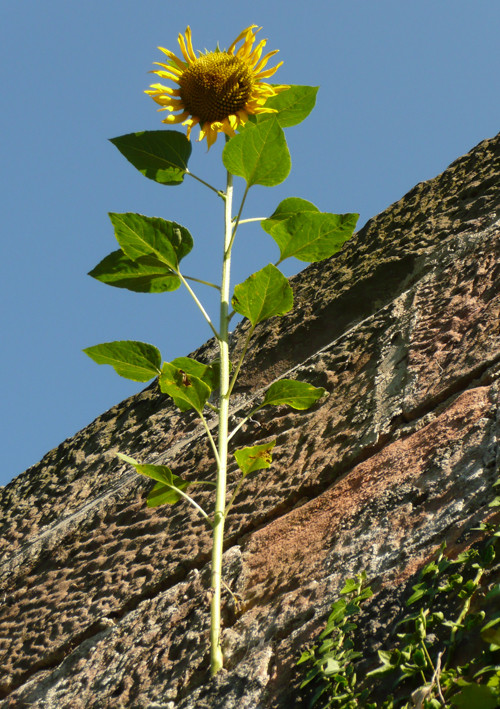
(105, 601)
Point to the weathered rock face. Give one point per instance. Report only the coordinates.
(104, 600)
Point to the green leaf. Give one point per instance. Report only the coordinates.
(134, 360)
(254, 457)
(488, 555)
(305, 657)
(161, 155)
(187, 390)
(493, 593)
(289, 207)
(166, 489)
(147, 274)
(490, 632)
(262, 295)
(433, 703)
(145, 236)
(313, 236)
(166, 494)
(292, 105)
(298, 395)
(208, 373)
(259, 154)
(419, 591)
(350, 585)
(390, 662)
(474, 696)
(331, 666)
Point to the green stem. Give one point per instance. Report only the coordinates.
(234, 495)
(195, 504)
(210, 438)
(242, 357)
(216, 659)
(237, 220)
(200, 306)
(205, 283)
(207, 184)
(233, 595)
(423, 647)
(244, 420)
(252, 219)
(461, 618)
(241, 423)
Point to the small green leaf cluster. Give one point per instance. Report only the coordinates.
(332, 677)
(433, 652)
(447, 650)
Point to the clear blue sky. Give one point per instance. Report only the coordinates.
(406, 87)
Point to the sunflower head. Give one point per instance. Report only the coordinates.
(216, 90)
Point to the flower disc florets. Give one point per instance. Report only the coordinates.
(217, 90)
(215, 86)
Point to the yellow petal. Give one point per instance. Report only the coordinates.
(233, 121)
(158, 87)
(176, 119)
(190, 123)
(240, 37)
(211, 137)
(258, 67)
(190, 49)
(255, 55)
(167, 90)
(175, 104)
(182, 45)
(227, 127)
(173, 57)
(173, 69)
(269, 72)
(168, 103)
(246, 48)
(166, 74)
(263, 109)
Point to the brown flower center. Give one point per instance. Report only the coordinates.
(215, 86)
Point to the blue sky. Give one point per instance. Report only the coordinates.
(405, 89)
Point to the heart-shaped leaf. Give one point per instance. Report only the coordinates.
(263, 294)
(298, 395)
(313, 236)
(145, 236)
(289, 207)
(254, 457)
(161, 155)
(259, 154)
(187, 390)
(293, 105)
(134, 360)
(146, 274)
(166, 491)
(208, 373)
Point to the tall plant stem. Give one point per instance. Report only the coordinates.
(216, 659)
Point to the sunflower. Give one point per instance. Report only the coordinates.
(217, 90)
